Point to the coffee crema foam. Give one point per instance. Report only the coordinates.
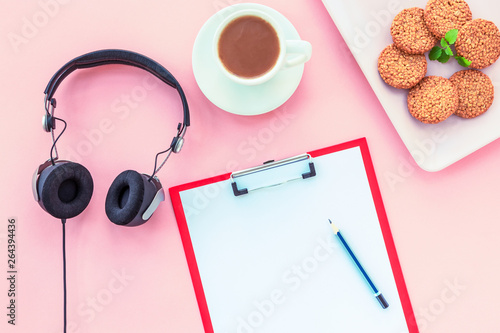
(248, 46)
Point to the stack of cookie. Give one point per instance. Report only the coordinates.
(403, 64)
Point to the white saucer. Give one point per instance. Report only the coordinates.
(230, 96)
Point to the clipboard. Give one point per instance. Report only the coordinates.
(263, 258)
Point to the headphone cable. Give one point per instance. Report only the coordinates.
(181, 131)
(55, 141)
(64, 270)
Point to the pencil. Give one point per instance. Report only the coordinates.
(378, 295)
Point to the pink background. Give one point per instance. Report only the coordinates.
(444, 224)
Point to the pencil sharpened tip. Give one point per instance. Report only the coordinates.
(334, 228)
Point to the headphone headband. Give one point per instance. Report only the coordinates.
(120, 57)
(109, 57)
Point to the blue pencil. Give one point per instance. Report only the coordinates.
(378, 295)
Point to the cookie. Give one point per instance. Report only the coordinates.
(475, 92)
(479, 42)
(433, 99)
(409, 32)
(443, 15)
(400, 69)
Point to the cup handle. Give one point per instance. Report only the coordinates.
(300, 50)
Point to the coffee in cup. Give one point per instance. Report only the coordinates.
(250, 47)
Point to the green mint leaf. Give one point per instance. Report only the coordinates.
(444, 43)
(451, 36)
(448, 51)
(463, 62)
(444, 58)
(435, 53)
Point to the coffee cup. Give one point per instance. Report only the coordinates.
(250, 47)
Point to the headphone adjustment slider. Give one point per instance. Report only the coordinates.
(48, 122)
(177, 143)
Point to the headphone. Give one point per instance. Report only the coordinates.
(64, 188)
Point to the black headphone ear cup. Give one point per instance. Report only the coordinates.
(128, 197)
(65, 189)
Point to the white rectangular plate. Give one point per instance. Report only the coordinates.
(365, 26)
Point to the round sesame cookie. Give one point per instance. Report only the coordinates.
(433, 99)
(400, 69)
(444, 15)
(479, 42)
(409, 32)
(475, 92)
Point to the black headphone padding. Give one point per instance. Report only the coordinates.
(128, 197)
(65, 189)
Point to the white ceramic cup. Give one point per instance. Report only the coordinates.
(291, 52)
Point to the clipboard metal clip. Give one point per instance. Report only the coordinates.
(271, 165)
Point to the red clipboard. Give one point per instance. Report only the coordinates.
(175, 194)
